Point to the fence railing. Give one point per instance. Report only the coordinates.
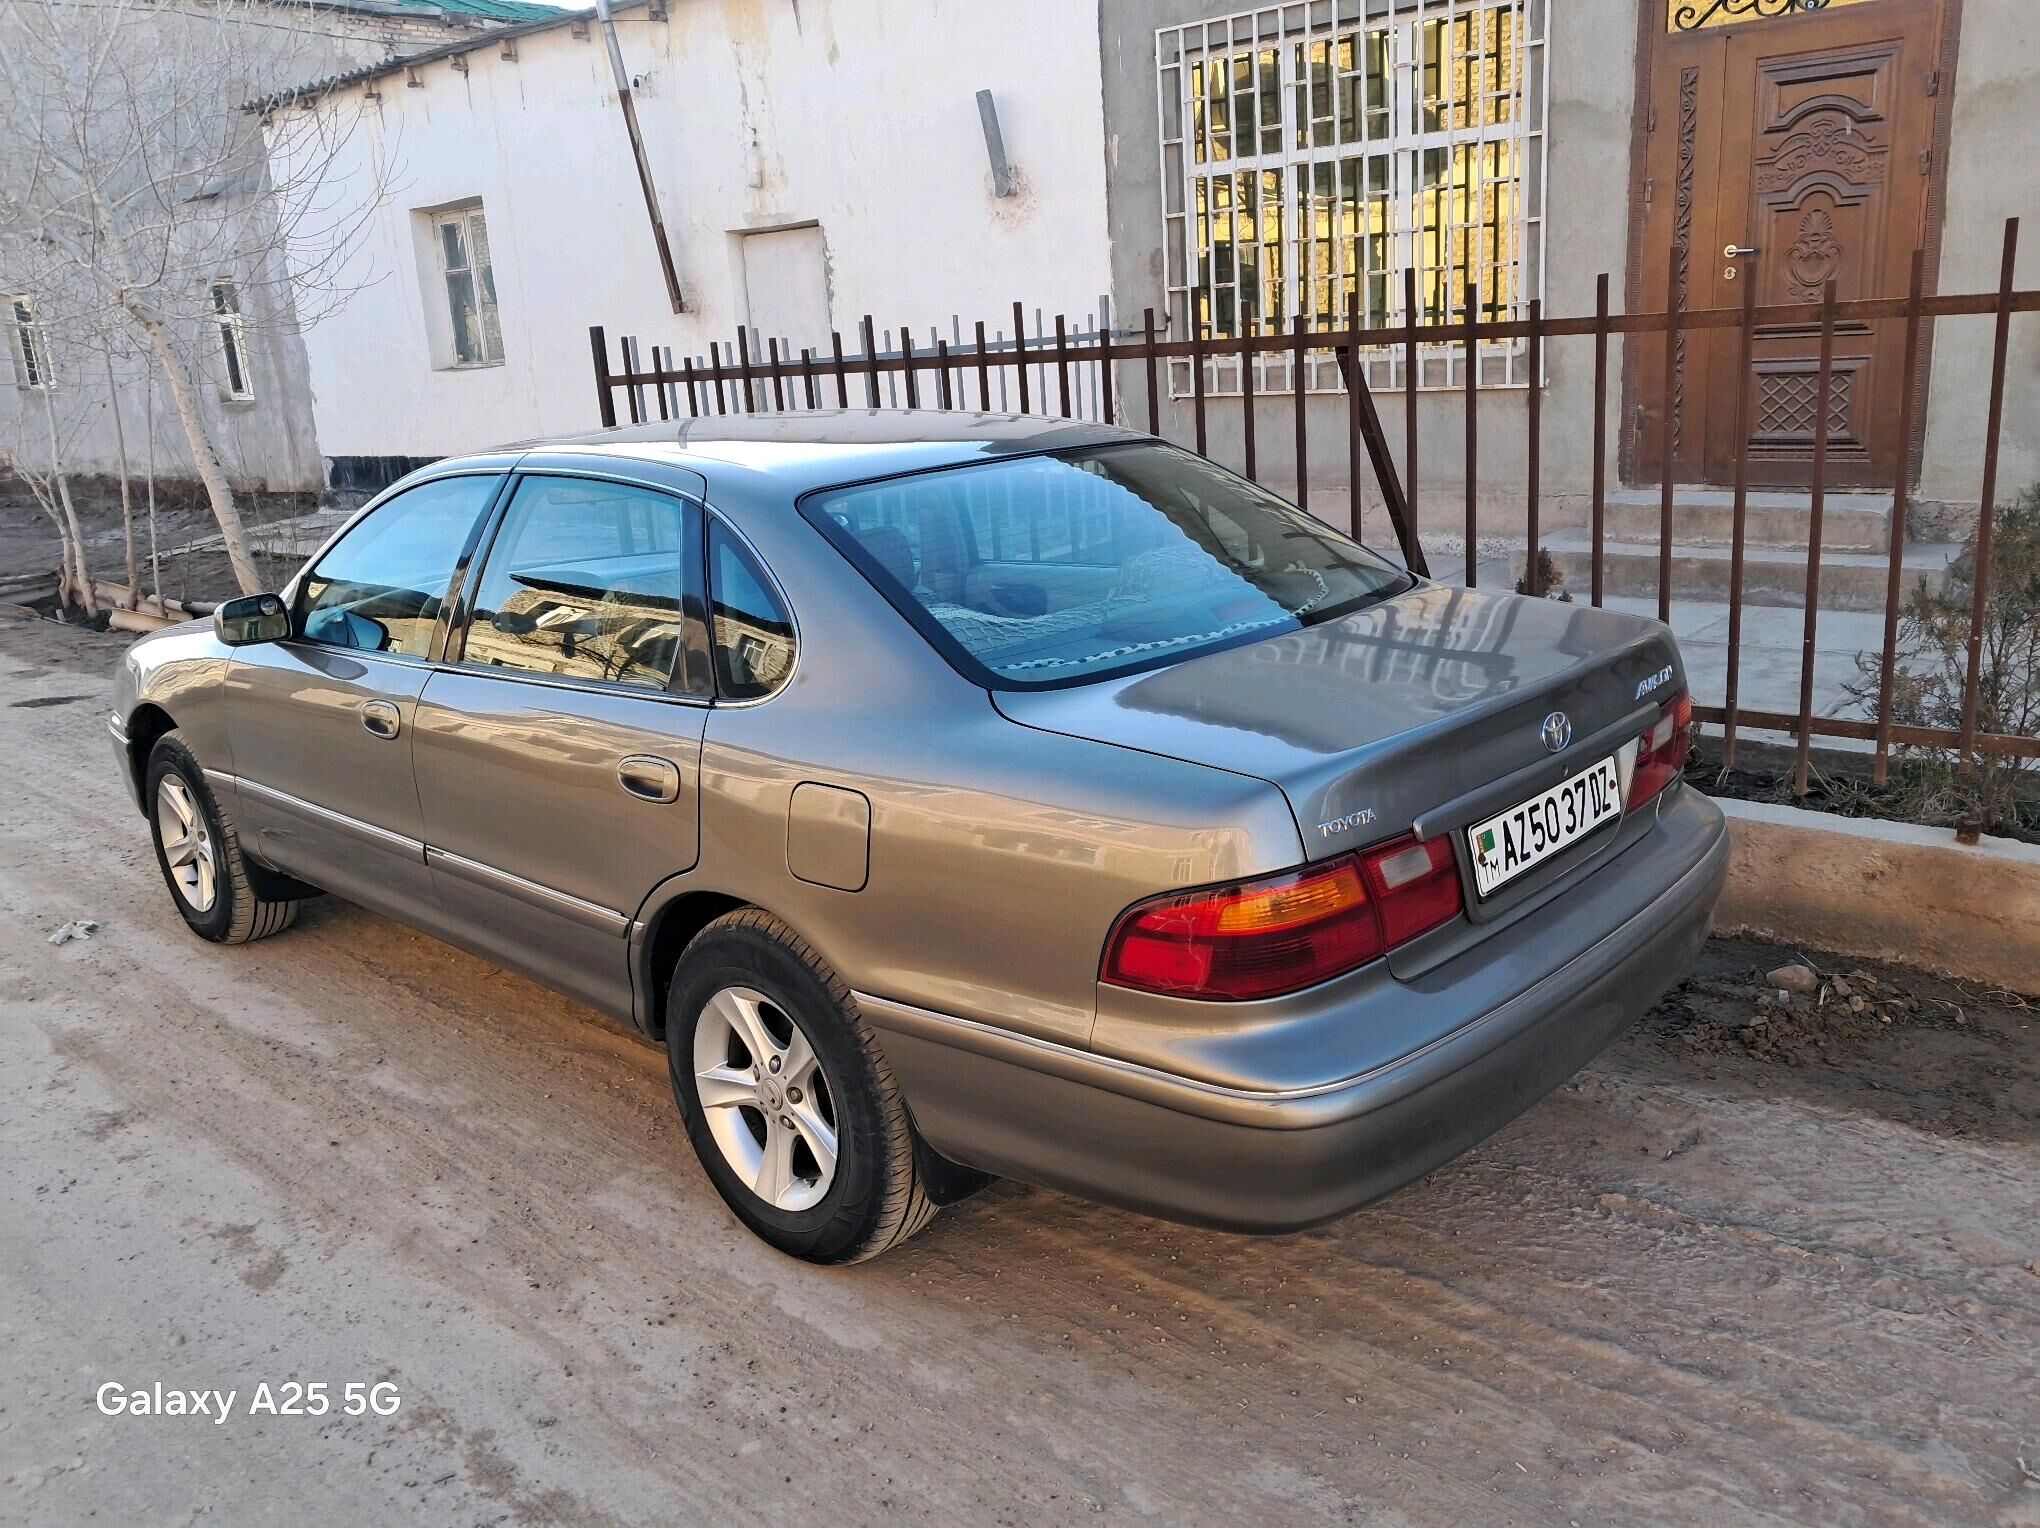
(1091, 369)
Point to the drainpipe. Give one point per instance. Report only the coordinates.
(637, 149)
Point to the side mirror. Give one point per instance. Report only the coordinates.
(251, 618)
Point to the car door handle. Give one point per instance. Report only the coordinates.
(381, 718)
(649, 778)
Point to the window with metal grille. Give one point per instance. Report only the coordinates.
(463, 239)
(1311, 151)
(233, 332)
(31, 350)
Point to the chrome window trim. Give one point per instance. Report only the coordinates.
(559, 682)
(490, 671)
(778, 590)
(323, 813)
(546, 898)
(402, 660)
(561, 470)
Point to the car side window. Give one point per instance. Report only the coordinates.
(585, 580)
(380, 587)
(752, 631)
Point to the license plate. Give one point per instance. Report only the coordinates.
(1532, 831)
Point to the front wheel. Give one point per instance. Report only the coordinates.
(200, 855)
(787, 1099)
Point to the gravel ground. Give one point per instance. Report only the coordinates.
(1738, 1272)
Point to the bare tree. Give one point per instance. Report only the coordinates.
(131, 179)
(47, 427)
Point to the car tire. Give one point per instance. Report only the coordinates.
(199, 852)
(748, 984)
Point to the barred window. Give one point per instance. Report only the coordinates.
(1311, 151)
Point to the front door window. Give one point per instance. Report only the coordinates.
(380, 587)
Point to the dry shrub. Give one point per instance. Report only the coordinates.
(2002, 794)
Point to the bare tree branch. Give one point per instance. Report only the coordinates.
(132, 182)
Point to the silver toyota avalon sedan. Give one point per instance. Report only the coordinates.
(957, 795)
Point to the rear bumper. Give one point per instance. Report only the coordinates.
(1270, 1160)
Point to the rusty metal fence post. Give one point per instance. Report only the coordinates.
(1823, 395)
(1472, 382)
(1894, 593)
(1739, 518)
(1986, 504)
(1533, 572)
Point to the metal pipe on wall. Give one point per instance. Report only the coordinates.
(625, 100)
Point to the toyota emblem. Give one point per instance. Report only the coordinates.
(1556, 731)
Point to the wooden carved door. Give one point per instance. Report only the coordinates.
(1806, 139)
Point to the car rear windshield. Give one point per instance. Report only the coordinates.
(1041, 571)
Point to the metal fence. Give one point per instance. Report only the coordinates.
(1091, 370)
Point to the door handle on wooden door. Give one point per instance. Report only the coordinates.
(649, 778)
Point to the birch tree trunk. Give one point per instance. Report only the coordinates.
(210, 472)
(127, 500)
(77, 574)
(149, 450)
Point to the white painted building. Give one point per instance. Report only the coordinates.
(815, 160)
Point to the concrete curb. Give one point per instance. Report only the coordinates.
(1886, 890)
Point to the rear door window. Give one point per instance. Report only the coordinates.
(380, 587)
(586, 580)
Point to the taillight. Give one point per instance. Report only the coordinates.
(1282, 933)
(1661, 752)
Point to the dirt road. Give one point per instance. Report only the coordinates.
(1702, 1284)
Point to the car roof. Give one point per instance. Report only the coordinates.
(815, 448)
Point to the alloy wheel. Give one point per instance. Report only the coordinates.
(188, 847)
(765, 1098)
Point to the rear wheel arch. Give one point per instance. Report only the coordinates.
(669, 927)
(868, 1155)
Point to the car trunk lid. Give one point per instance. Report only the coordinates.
(1423, 710)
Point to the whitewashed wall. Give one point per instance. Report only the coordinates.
(857, 114)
